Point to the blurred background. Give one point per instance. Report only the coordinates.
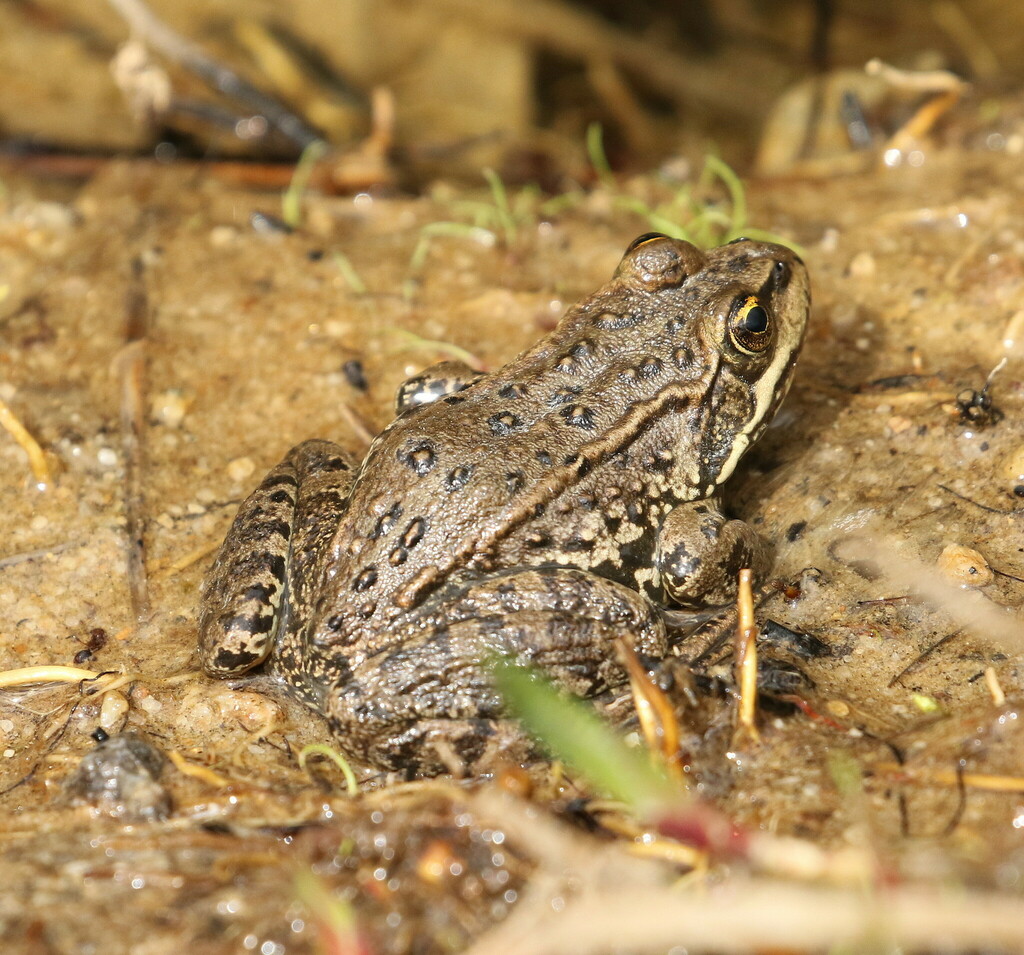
(416, 89)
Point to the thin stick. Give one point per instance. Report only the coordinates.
(991, 782)
(654, 712)
(131, 366)
(746, 658)
(920, 659)
(151, 29)
(994, 688)
(186, 560)
(45, 674)
(204, 773)
(36, 457)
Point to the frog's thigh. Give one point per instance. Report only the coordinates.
(436, 684)
(279, 530)
(700, 554)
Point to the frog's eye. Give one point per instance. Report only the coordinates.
(750, 326)
(643, 240)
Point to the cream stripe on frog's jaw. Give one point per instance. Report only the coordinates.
(769, 391)
(764, 400)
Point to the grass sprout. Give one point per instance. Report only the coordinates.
(694, 211)
(406, 339)
(291, 201)
(598, 157)
(456, 230)
(349, 273)
(322, 749)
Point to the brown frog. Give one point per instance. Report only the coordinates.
(542, 511)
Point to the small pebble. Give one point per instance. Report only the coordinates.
(838, 708)
(964, 566)
(223, 235)
(254, 712)
(240, 468)
(169, 407)
(898, 424)
(145, 700)
(107, 457)
(113, 712)
(120, 778)
(862, 266)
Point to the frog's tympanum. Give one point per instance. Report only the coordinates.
(543, 511)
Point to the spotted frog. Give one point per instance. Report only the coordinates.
(543, 511)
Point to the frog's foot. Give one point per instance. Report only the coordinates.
(281, 528)
(700, 555)
(437, 673)
(438, 381)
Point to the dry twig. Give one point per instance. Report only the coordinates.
(746, 659)
(131, 369)
(36, 457)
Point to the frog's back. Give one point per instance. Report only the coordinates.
(565, 455)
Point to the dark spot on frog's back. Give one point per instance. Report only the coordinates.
(650, 367)
(683, 357)
(504, 423)
(365, 580)
(513, 391)
(458, 478)
(562, 395)
(579, 416)
(386, 522)
(414, 532)
(420, 457)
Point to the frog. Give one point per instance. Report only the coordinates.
(547, 512)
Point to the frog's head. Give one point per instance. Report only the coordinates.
(736, 315)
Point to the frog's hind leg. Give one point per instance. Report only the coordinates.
(432, 690)
(260, 573)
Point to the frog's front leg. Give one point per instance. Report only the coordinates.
(264, 566)
(700, 553)
(432, 688)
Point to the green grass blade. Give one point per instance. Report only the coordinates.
(572, 732)
(291, 201)
(597, 156)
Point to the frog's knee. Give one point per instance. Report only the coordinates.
(438, 381)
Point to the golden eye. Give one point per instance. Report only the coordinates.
(750, 326)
